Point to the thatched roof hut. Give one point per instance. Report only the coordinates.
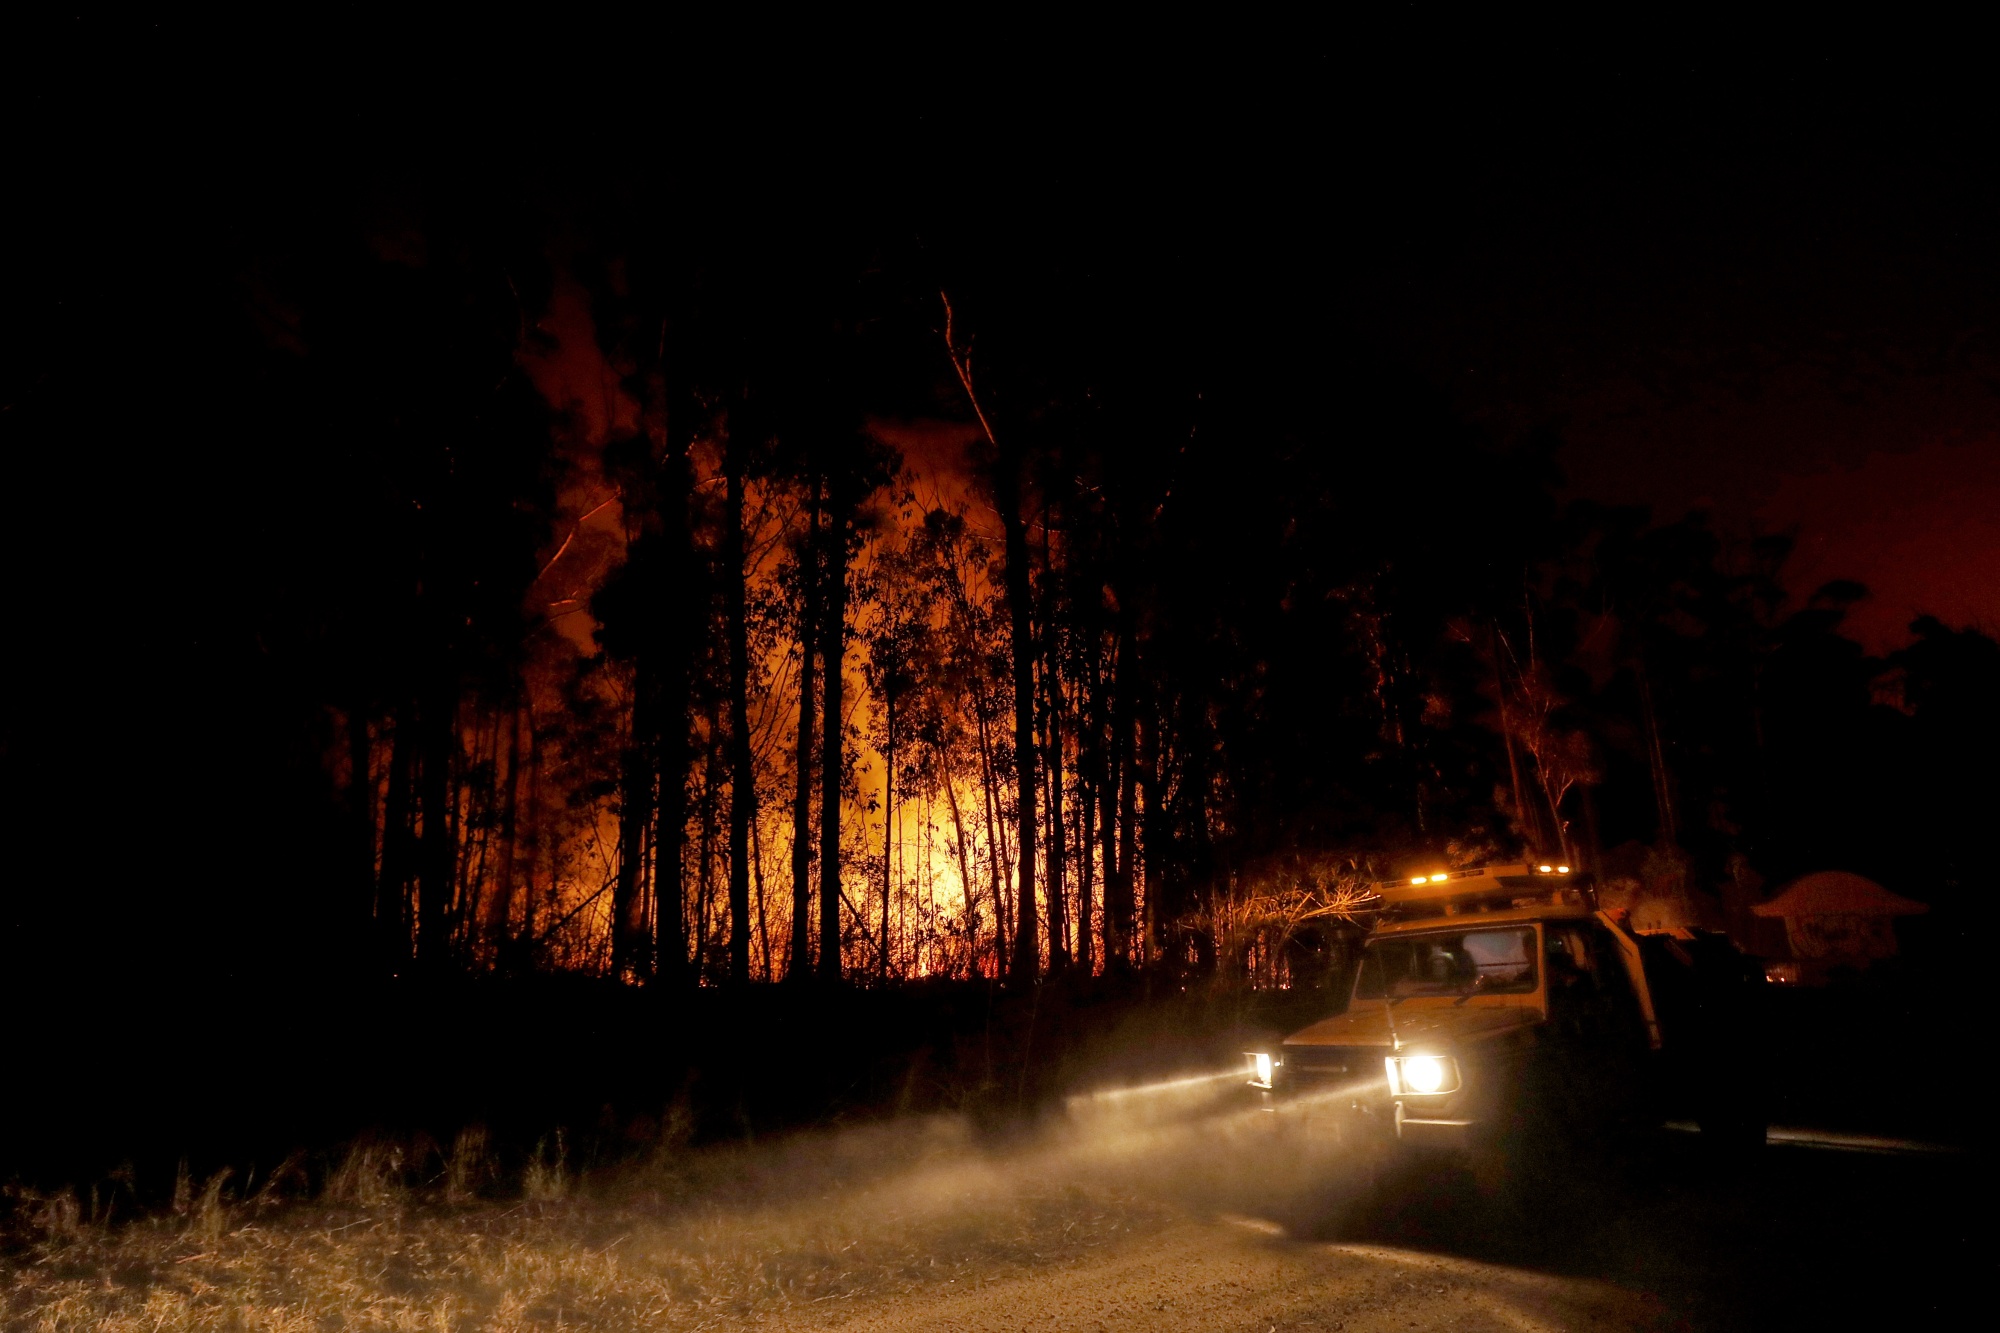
(1837, 919)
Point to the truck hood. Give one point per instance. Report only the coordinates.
(1446, 1024)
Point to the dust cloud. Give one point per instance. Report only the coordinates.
(805, 1228)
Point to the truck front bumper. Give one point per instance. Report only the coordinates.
(1432, 1131)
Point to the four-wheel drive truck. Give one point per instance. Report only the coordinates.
(1496, 1009)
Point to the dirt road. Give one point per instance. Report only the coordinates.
(1163, 1211)
(1818, 1230)
(1227, 1276)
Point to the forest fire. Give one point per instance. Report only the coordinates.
(664, 682)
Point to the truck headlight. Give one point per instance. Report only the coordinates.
(1261, 1067)
(1421, 1074)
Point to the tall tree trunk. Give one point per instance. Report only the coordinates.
(1090, 769)
(682, 608)
(888, 819)
(1027, 933)
(1086, 872)
(711, 779)
(1119, 905)
(436, 859)
(998, 872)
(530, 888)
(361, 818)
(964, 877)
(481, 802)
(670, 842)
(392, 902)
(799, 965)
(1009, 483)
(833, 648)
(1052, 763)
(1656, 756)
(742, 780)
(763, 925)
(639, 770)
(500, 907)
(1152, 826)
(464, 804)
(1197, 861)
(1530, 820)
(1052, 731)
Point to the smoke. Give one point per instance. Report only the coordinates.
(1123, 1156)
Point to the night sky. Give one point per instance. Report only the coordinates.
(1754, 272)
(1777, 306)
(1746, 269)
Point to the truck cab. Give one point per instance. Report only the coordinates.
(1488, 1002)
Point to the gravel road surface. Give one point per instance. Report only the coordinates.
(1226, 1276)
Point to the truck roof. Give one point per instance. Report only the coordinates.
(1495, 894)
(1476, 917)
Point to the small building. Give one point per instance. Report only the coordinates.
(1834, 919)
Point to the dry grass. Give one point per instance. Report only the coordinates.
(783, 1235)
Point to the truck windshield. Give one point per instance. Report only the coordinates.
(1463, 963)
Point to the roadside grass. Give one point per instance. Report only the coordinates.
(404, 1235)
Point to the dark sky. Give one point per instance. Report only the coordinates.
(1776, 301)
(1752, 271)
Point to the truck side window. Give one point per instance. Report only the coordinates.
(1575, 999)
(1570, 951)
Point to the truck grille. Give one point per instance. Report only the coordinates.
(1322, 1062)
